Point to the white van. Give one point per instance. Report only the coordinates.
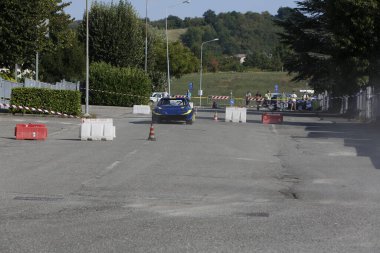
(156, 96)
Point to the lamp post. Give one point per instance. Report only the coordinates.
(146, 36)
(87, 63)
(167, 39)
(201, 70)
(45, 24)
(37, 62)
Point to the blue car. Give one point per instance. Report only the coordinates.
(173, 109)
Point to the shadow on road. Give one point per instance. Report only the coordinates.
(365, 138)
(142, 122)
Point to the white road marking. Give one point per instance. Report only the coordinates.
(132, 153)
(246, 159)
(273, 128)
(100, 175)
(108, 169)
(324, 181)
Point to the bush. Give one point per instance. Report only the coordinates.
(64, 101)
(6, 76)
(115, 86)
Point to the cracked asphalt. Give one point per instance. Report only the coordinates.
(310, 184)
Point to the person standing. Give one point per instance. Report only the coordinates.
(293, 99)
(258, 94)
(247, 98)
(267, 98)
(188, 94)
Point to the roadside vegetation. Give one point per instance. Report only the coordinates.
(222, 83)
(332, 45)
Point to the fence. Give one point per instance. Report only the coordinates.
(7, 86)
(365, 105)
(6, 90)
(63, 85)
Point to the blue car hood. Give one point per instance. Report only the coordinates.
(173, 110)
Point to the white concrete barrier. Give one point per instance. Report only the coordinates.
(242, 114)
(236, 114)
(191, 104)
(97, 129)
(229, 111)
(141, 109)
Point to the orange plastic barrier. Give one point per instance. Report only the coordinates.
(272, 118)
(31, 132)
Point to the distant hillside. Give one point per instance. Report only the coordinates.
(238, 33)
(74, 25)
(175, 34)
(222, 83)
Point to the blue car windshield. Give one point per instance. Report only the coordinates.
(172, 102)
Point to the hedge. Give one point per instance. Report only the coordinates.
(64, 101)
(116, 86)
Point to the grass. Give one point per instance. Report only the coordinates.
(222, 83)
(174, 34)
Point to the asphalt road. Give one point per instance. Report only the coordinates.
(310, 184)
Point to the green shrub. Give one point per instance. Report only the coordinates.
(64, 101)
(115, 86)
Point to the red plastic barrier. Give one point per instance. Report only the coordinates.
(31, 132)
(271, 118)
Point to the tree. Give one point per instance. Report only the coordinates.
(283, 13)
(67, 62)
(115, 34)
(30, 26)
(210, 17)
(174, 22)
(356, 26)
(335, 44)
(182, 60)
(237, 32)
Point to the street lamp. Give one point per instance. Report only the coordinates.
(146, 36)
(167, 39)
(87, 63)
(201, 70)
(46, 24)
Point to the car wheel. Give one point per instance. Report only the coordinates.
(189, 122)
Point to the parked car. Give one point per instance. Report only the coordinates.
(279, 101)
(156, 96)
(173, 109)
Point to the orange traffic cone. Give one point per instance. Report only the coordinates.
(151, 133)
(216, 116)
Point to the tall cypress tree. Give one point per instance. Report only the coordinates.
(335, 43)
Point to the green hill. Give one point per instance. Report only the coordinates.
(175, 34)
(223, 83)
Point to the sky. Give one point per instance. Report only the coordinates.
(196, 8)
